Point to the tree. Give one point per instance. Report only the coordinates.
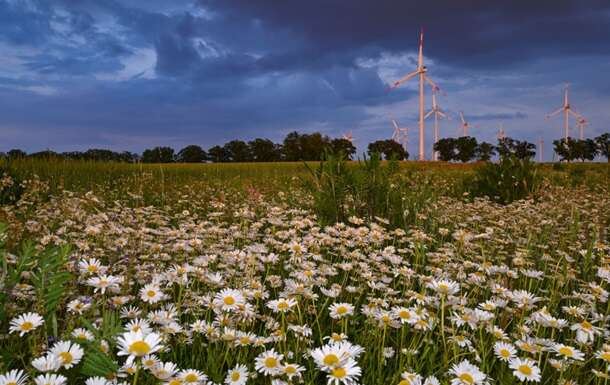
(158, 155)
(313, 145)
(446, 148)
(16, 154)
(521, 149)
(485, 151)
(238, 151)
(291, 147)
(466, 147)
(344, 146)
(264, 150)
(566, 149)
(585, 149)
(218, 154)
(191, 154)
(389, 149)
(603, 145)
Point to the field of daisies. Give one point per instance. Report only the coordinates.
(216, 279)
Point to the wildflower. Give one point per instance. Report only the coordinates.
(25, 323)
(444, 287)
(292, 370)
(164, 370)
(151, 293)
(504, 351)
(82, 334)
(466, 374)
(344, 373)
(229, 299)
(50, 379)
(91, 266)
(137, 344)
(281, 305)
(13, 377)
(525, 369)
(97, 381)
(192, 376)
(603, 355)
(237, 376)
(566, 352)
(104, 282)
(48, 363)
(269, 363)
(68, 353)
(340, 310)
(408, 378)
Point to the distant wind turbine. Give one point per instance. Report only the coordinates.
(501, 132)
(465, 125)
(421, 71)
(348, 136)
(436, 111)
(567, 110)
(581, 122)
(400, 134)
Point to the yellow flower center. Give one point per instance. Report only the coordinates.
(341, 310)
(229, 301)
(605, 356)
(525, 370)
(175, 382)
(467, 378)
(92, 268)
(139, 348)
(27, 325)
(244, 340)
(566, 351)
(339, 372)
(330, 359)
(11, 383)
(270, 362)
(586, 325)
(404, 314)
(443, 288)
(235, 376)
(404, 382)
(151, 293)
(191, 377)
(504, 353)
(66, 357)
(282, 305)
(290, 370)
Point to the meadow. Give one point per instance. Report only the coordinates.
(404, 273)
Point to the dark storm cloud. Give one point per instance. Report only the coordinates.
(129, 73)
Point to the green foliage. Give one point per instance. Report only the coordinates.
(509, 180)
(10, 186)
(390, 149)
(50, 278)
(370, 189)
(97, 363)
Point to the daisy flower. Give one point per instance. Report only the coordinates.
(292, 370)
(466, 374)
(269, 363)
(25, 323)
(281, 305)
(340, 310)
(50, 379)
(165, 370)
(48, 363)
(603, 355)
(192, 376)
(566, 352)
(104, 282)
(229, 299)
(237, 376)
(151, 293)
(525, 369)
(13, 377)
(329, 356)
(97, 381)
(137, 344)
(82, 334)
(408, 378)
(68, 353)
(504, 351)
(444, 287)
(346, 373)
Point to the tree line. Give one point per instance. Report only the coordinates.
(311, 147)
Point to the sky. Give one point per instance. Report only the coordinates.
(133, 74)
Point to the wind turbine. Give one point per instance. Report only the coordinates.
(465, 125)
(400, 134)
(421, 71)
(501, 133)
(567, 110)
(581, 122)
(348, 136)
(436, 111)
(541, 145)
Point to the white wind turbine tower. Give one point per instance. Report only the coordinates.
(567, 110)
(400, 135)
(541, 145)
(501, 133)
(421, 71)
(436, 111)
(581, 122)
(465, 125)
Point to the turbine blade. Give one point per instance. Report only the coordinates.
(395, 124)
(554, 112)
(434, 86)
(428, 114)
(404, 79)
